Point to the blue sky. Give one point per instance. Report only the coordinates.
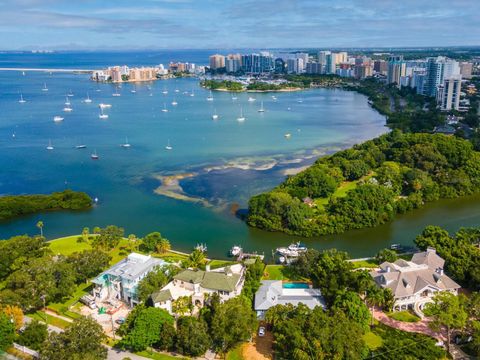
(122, 24)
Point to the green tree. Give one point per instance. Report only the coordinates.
(195, 260)
(40, 227)
(448, 313)
(192, 336)
(88, 263)
(234, 321)
(108, 237)
(85, 234)
(146, 329)
(182, 305)
(81, 340)
(163, 246)
(34, 335)
(353, 307)
(150, 241)
(155, 280)
(386, 255)
(7, 331)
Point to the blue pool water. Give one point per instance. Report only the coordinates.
(295, 285)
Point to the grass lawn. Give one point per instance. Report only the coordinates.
(372, 340)
(62, 308)
(52, 320)
(158, 356)
(215, 264)
(365, 264)
(68, 245)
(236, 353)
(405, 316)
(171, 256)
(273, 272)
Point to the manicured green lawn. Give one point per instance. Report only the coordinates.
(171, 256)
(62, 308)
(273, 272)
(68, 245)
(372, 340)
(52, 320)
(405, 316)
(365, 264)
(215, 264)
(158, 356)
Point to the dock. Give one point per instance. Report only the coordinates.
(243, 255)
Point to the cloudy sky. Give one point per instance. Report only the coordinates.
(125, 24)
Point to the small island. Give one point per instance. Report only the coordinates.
(255, 86)
(17, 205)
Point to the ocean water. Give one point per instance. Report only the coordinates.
(226, 161)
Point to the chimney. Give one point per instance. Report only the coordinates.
(440, 271)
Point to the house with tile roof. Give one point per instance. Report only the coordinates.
(413, 283)
(274, 292)
(227, 282)
(120, 282)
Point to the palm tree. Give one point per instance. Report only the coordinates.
(196, 259)
(40, 226)
(163, 246)
(132, 240)
(85, 233)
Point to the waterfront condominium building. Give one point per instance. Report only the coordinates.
(396, 69)
(280, 67)
(322, 60)
(466, 70)
(217, 61)
(313, 68)
(380, 67)
(448, 94)
(257, 63)
(295, 66)
(233, 63)
(438, 69)
(333, 59)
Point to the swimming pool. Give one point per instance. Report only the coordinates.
(295, 285)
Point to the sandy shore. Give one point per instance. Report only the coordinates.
(295, 171)
(170, 187)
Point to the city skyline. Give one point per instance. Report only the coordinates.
(212, 24)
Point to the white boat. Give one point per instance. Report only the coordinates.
(102, 115)
(201, 247)
(210, 96)
(58, 118)
(81, 146)
(288, 135)
(44, 87)
(164, 108)
(67, 109)
(274, 98)
(177, 91)
(241, 118)
(50, 146)
(23, 73)
(168, 147)
(261, 108)
(70, 93)
(174, 102)
(299, 101)
(292, 251)
(87, 100)
(215, 116)
(192, 93)
(116, 93)
(22, 100)
(234, 97)
(251, 99)
(94, 156)
(235, 250)
(289, 108)
(67, 101)
(104, 106)
(298, 246)
(165, 91)
(126, 145)
(134, 90)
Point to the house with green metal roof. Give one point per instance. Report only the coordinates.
(198, 284)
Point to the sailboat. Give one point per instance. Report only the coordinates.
(165, 91)
(44, 87)
(104, 106)
(116, 93)
(234, 97)
(87, 100)
(134, 90)
(168, 147)
(102, 115)
(215, 116)
(67, 101)
(261, 110)
(50, 146)
(192, 93)
(70, 93)
(241, 118)
(164, 108)
(67, 108)
(22, 100)
(299, 101)
(81, 146)
(126, 145)
(210, 96)
(174, 102)
(251, 99)
(177, 91)
(94, 156)
(57, 118)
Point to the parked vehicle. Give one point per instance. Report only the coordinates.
(261, 331)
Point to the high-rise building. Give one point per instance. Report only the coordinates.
(396, 69)
(233, 63)
(280, 67)
(439, 69)
(295, 66)
(217, 61)
(380, 67)
(313, 68)
(322, 60)
(257, 63)
(466, 70)
(448, 94)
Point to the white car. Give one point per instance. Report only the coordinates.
(261, 331)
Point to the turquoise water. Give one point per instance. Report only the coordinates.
(230, 161)
(295, 285)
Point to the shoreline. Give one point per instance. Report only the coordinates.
(257, 91)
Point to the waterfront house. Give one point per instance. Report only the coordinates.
(227, 282)
(120, 282)
(275, 292)
(413, 283)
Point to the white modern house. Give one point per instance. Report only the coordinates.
(120, 282)
(227, 282)
(413, 283)
(276, 292)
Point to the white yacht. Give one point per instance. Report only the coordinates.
(236, 250)
(192, 93)
(44, 87)
(50, 146)
(104, 106)
(116, 93)
(215, 115)
(288, 135)
(67, 109)
(261, 110)
(274, 98)
(251, 99)
(168, 147)
(241, 118)
(234, 97)
(57, 118)
(81, 146)
(87, 100)
(134, 90)
(174, 102)
(94, 156)
(67, 101)
(164, 108)
(126, 145)
(22, 100)
(210, 96)
(165, 91)
(70, 93)
(102, 115)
